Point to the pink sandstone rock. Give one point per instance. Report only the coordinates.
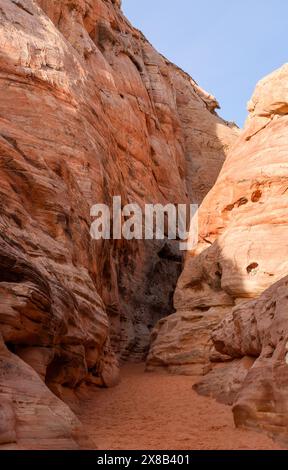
(242, 252)
(30, 415)
(89, 110)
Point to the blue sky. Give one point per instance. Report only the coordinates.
(225, 45)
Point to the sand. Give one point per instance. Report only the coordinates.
(162, 412)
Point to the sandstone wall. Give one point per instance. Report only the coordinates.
(242, 251)
(88, 110)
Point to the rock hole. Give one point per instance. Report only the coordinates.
(195, 284)
(252, 268)
(229, 208)
(256, 196)
(203, 309)
(242, 201)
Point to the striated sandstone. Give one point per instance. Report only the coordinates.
(225, 380)
(179, 342)
(243, 221)
(30, 415)
(258, 328)
(242, 251)
(89, 110)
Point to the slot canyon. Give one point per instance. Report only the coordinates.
(134, 344)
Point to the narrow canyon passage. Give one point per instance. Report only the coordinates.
(161, 412)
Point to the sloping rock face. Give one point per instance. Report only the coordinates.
(89, 110)
(242, 251)
(26, 404)
(259, 328)
(256, 385)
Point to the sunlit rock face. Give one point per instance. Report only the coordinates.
(31, 416)
(258, 328)
(89, 110)
(242, 252)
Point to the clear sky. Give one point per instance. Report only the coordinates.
(225, 45)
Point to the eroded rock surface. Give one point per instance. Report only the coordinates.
(31, 416)
(259, 329)
(89, 110)
(242, 252)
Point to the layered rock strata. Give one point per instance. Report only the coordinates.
(242, 252)
(89, 110)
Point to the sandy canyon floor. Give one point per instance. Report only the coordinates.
(161, 412)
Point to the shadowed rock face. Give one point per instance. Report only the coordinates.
(241, 253)
(89, 110)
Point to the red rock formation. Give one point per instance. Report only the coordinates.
(89, 110)
(30, 415)
(259, 329)
(242, 251)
